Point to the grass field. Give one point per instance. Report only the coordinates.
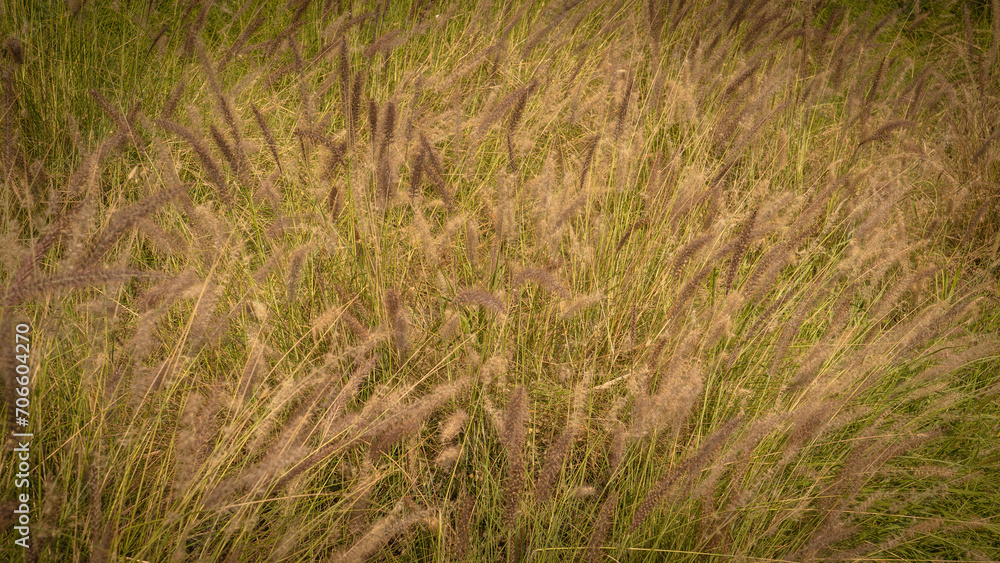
(568, 281)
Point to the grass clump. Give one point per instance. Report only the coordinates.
(577, 281)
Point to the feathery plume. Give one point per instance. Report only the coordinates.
(513, 102)
(334, 205)
(384, 188)
(254, 370)
(742, 245)
(409, 417)
(451, 427)
(601, 526)
(882, 133)
(123, 220)
(13, 49)
(512, 438)
(112, 113)
(866, 105)
(689, 466)
(446, 458)
(362, 372)
(623, 106)
(543, 278)
(357, 89)
(519, 105)
(588, 159)
(344, 68)
(380, 534)
(463, 521)
(18, 294)
(555, 456)
(986, 144)
(396, 314)
(224, 147)
(385, 42)
(211, 166)
(372, 122)
(434, 169)
(79, 214)
(388, 128)
(482, 298)
(740, 78)
(202, 317)
(568, 309)
(416, 175)
(237, 46)
(268, 136)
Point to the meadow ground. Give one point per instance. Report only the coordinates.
(568, 281)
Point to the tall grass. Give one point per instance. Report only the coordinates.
(587, 281)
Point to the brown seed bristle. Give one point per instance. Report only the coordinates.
(472, 243)
(362, 371)
(601, 526)
(224, 147)
(388, 128)
(519, 105)
(463, 523)
(372, 121)
(482, 298)
(513, 436)
(111, 112)
(45, 242)
(383, 183)
(448, 457)
(317, 137)
(237, 46)
(125, 219)
(693, 463)
(202, 317)
(204, 155)
(434, 169)
(380, 534)
(357, 88)
(416, 175)
(882, 133)
(555, 456)
(80, 278)
(567, 309)
(762, 278)
(385, 42)
(499, 110)
(188, 443)
(588, 159)
(791, 330)
(986, 144)
(740, 250)
(333, 203)
(336, 159)
(345, 79)
(623, 106)
(254, 370)
(8, 374)
(13, 49)
(408, 418)
(396, 315)
(451, 427)
(268, 136)
(866, 105)
(544, 279)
